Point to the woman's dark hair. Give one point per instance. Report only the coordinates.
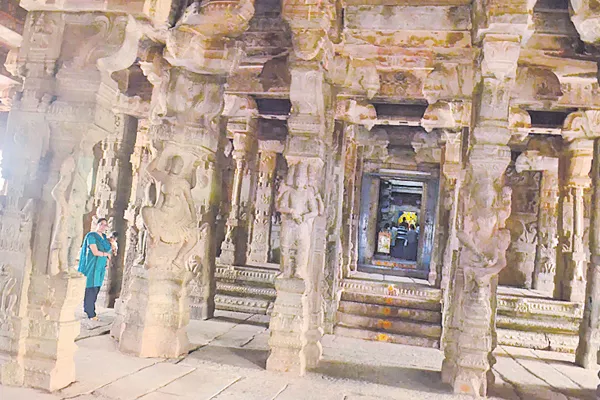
(411, 227)
(100, 220)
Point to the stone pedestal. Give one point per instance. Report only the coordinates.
(156, 315)
(50, 346)
(294, 348)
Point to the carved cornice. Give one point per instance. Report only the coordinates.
(537, 85)
(448, 82)
(519, 124)
(582, 124)
(447, 115)
(533, 160)
(356, 112)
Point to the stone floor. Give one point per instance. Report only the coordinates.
(229, 357)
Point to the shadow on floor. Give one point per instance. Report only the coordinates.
(534, 358)
(401, 377)
(234, 320)
(232, 356)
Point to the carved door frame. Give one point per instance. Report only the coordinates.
(367, 224)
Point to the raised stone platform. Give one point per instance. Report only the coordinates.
(527, 320)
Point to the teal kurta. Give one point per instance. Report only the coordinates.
(91, 266)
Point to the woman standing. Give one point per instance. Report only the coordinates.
(93, 261)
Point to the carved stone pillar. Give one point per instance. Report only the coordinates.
(572, 258)
(585, 125)
(264, 202)
(188, 75)
(296, 319)
(134, 251)
(484, 206)
(56, 119)
(179, 222)
(589, 331)
(242, 123)
(545, 255)
(112, 192)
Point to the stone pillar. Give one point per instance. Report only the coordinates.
(180, 220)
(296, 319)
(56, 120)
(134, 251)
(545, 254)
(264, 202)
(188, 75)
(585, 125)
(242, 124)
(484, 206)
(589, 331)
(112, 192)
(572, 258)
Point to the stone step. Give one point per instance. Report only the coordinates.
(532, 306)
(416, 304)
(538, 340)
(569, 326)
(379, 311)
(367, 334)
(390, 325)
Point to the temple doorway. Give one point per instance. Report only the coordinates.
(397, 222)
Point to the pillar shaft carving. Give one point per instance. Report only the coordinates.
(264, 202)
(188, 69)
(589, 331)
(572, 258)
(242, 124)
(296, 319)
(112, 192)
(547, 239)
(187, 139)
(484, 206)
(585, 125)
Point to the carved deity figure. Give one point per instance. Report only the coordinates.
(485, 239)
(172, 219)
(299, 203)
(8, 299)
(59, 248)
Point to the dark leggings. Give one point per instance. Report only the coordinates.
(89, 301)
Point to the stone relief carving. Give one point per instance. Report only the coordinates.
(8, 299)
(299, 202)
(172, 220)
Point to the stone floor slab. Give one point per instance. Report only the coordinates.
(254, 387)
(201, 384)
(100, 354)
(143, 382)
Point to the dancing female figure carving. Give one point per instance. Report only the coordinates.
(172, 219)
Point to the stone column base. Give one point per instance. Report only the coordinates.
(295, 346)
(50, 346)
(156, 315)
